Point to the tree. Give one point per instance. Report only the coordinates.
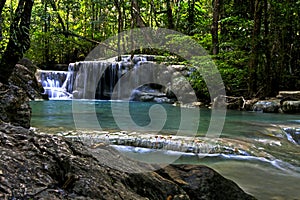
(253, 65)
(19, 41)
(215, 29)
(191, 16)
(2, 3)
(169, 15)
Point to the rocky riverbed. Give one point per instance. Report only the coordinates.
(53, 167)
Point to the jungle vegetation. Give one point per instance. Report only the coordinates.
(254, 43)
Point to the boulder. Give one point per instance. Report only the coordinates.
(24, 78)
(267, 106)
(36, 166)
(150, 93)
(291, 106)
(14, 106)
(201, 182)
(293, 134)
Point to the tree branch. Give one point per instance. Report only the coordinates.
(60, 20)
(19, 41)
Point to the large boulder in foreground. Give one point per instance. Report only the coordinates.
(23, 76)
(36, 166)
(14, 105)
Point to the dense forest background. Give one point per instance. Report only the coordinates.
(254, 43)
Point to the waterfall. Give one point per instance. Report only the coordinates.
(90, 79)
(54, 83)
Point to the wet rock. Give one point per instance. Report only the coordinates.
(293, 134)
(266, 106)
(201, 182)
(36, 166)
(230, 102)
(146, 98)
(151, 93)
(14, 106)
(24, 78)
(291, 106)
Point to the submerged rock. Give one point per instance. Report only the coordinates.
(201, 182)
(36, 166)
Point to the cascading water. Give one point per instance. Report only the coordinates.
(54, 83)
(89, 79)
(98, 79)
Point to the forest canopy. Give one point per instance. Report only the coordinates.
(254, 43)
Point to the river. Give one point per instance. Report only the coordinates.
(253, 148)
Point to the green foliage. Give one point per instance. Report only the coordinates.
(68, 33)
(232, 66)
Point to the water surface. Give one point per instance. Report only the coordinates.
(270, 168)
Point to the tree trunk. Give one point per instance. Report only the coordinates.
(178, 13)
(253, 65)
(46, 39)
(268, 85)
(137, 20)
(60, 20)
(2, 3)
(215, 28)
(191, 16)
(120, 26)
(170, 15)
(19, 41)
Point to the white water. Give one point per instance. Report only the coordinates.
(90, 79)
(54, 83)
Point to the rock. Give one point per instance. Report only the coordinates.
(291, 106)
(28, 64)
(14, 106)
(267, 106)
(150, 93)
(36, 166)
(290, 94)
(250, 103)
(201, 182)
(234, 103)
(293, 134)
(25, 79)
(146, 98)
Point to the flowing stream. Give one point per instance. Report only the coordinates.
(253, 149)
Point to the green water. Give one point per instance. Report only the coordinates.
(271, 171)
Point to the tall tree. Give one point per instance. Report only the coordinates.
(137, 20)
(169, 15)
(267, 81)
(215, 28)
(120, 25)
(253, 65)
(19, 41)
(191, 16)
